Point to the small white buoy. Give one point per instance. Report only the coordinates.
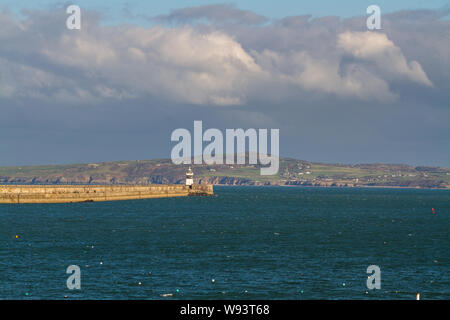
(213, 280)
(101, 262)
(139, 283)
(418, 296)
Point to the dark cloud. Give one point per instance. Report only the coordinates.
(215, 13)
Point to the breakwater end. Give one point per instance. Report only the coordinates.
(95, 193)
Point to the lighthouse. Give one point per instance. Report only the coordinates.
(189, 177)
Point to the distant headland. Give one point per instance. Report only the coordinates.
(291, 172)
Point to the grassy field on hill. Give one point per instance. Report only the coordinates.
(292, 172)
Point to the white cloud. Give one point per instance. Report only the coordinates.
(181, 64)
(376, 47)
(323, 75)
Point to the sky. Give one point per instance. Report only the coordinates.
(114, 11)
(137, 70)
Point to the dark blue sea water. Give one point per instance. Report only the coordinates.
(255, 242)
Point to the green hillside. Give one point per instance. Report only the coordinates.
(292, 172)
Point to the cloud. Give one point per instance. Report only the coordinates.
(211, 65)
(323, 75)
(215, 13)
(111, 91)
(377, 48)
(179, 65)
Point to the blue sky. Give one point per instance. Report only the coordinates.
(112, 11)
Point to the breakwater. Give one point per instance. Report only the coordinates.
(94, 193)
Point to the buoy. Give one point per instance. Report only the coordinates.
(139, 283)
(343, 284)
(178, 290)
(418, 296)
(432, 211)
(101, 262)
(213, 280)
(17, 236)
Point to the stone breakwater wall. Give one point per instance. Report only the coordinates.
(91, 193)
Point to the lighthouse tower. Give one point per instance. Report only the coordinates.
(189, 177)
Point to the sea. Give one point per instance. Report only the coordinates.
(296, 243)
